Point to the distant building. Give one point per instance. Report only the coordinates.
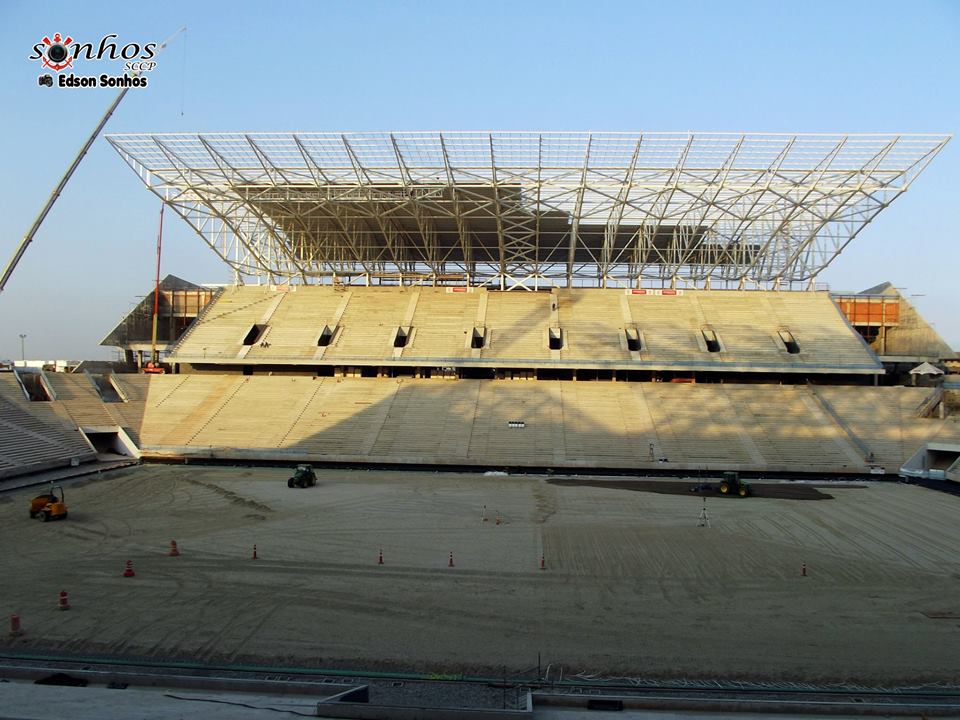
(180, 303)
(895, 331)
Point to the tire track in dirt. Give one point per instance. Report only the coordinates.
(231, 496)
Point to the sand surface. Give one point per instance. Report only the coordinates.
(632, 585)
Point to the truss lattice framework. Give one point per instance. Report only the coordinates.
(511, 208)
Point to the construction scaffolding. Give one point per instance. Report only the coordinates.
(529, 209)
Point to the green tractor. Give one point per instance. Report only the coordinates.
(731, 484)
(303, 477)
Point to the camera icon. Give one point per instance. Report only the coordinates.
(45, 80)
(57, 52)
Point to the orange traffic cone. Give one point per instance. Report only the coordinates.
(174, 550)
(128, 572)
(64, 603)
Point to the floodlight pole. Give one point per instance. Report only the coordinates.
(28, 238)
(23, 353)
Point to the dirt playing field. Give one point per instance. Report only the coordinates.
(632, 586)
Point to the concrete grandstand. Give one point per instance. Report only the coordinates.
(608, 301)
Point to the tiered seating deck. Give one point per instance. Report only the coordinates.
(369, 324)
(297, 322)
(32, 436)
(517, 323)
(218, 333)
(443, 324)
(593, 322)
(577, 424)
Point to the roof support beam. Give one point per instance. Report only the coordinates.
(577, 211)
(463, 231)
(612, 228)
(280, 242)
(229, 218)
(812, 235)
(501, 241)
(762, 209)
(428, 232)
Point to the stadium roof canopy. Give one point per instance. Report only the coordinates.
(527, 208)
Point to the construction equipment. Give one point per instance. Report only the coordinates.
(303, 477)
(733, 485)
(730, 484)
(49, 506)
(28, 238)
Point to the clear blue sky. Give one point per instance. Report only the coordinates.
(255, 66)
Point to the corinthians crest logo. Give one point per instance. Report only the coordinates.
(54, 54)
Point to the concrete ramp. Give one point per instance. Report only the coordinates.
(934, 461)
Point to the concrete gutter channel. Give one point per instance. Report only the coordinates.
(231, 457)
(122, 676)
(411, 697)
(58, 475)
(664, 701)
(669, 470)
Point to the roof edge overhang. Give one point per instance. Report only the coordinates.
(700, 207)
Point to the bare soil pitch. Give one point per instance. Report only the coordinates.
(631, 587)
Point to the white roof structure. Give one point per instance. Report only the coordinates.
(524, 208)
(926, 368)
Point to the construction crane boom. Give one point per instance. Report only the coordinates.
(45, 210)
